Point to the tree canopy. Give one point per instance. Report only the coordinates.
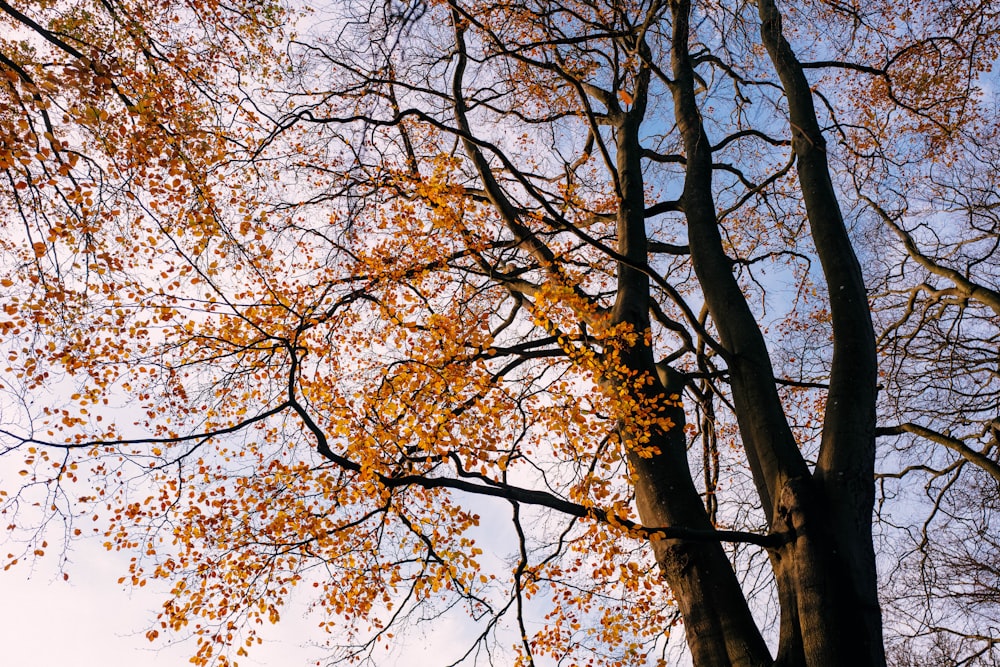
(619, 329)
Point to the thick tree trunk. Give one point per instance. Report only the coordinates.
(825, 568)
(719, 627)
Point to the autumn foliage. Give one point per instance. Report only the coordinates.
(611, 328)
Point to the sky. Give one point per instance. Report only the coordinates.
(92, 621)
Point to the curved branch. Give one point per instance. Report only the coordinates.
(952, 443)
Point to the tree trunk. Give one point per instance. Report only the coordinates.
(824, 569)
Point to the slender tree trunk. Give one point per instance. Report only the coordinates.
(844, 492)
(720, 628)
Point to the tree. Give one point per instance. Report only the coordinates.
(375, 277)
(940, 328)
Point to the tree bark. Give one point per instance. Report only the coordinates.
(825, 571)
(717, 620)
(844, 473)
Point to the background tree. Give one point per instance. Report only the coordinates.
(940, 336)
(420, 278)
